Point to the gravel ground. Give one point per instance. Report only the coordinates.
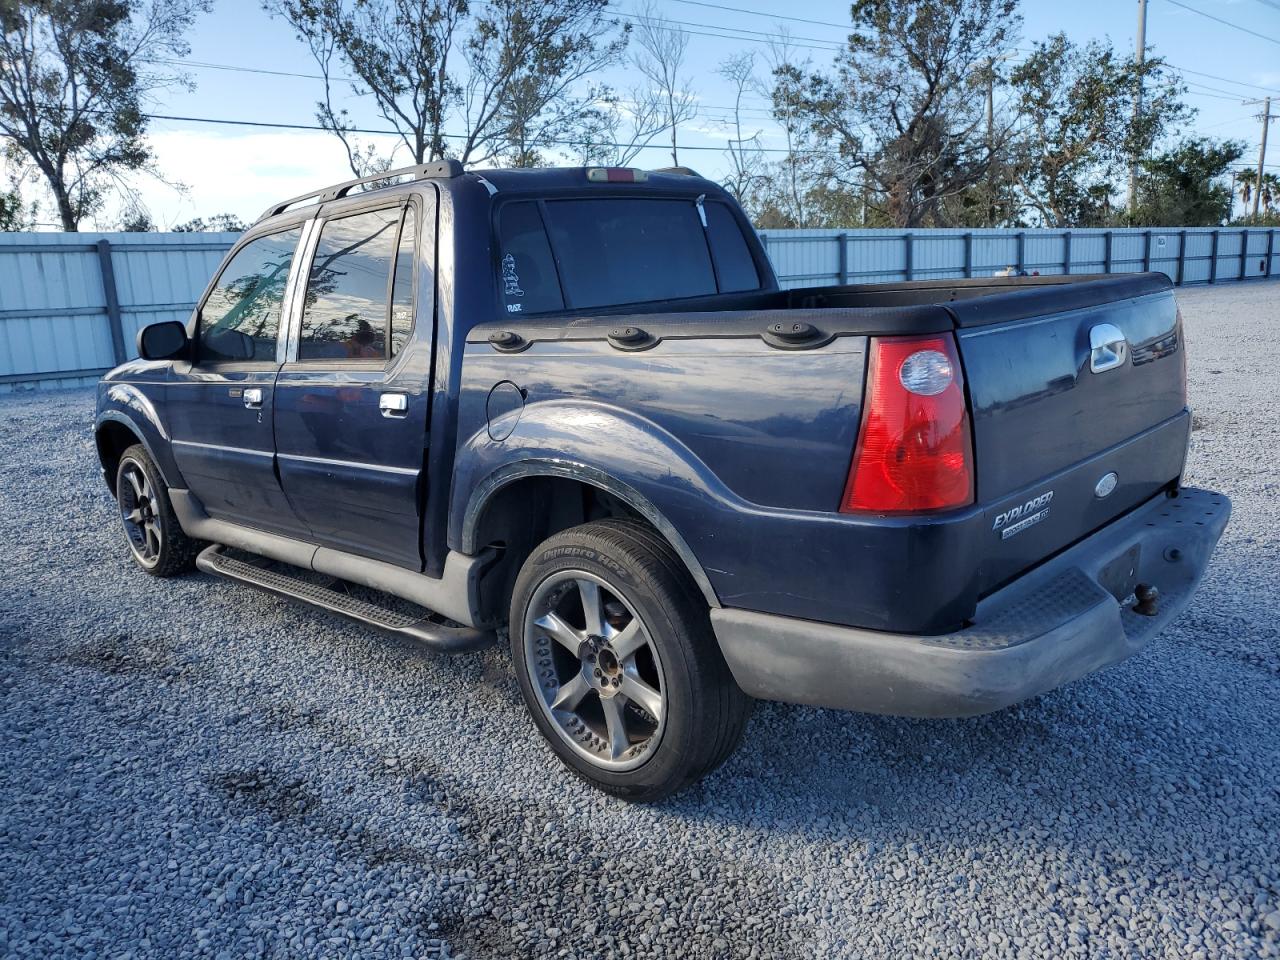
(194, 768)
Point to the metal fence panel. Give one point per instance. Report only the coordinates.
(1191, 255)
(60, 326)
(71, 304)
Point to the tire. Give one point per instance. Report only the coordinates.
(637, 700)
(155, 539)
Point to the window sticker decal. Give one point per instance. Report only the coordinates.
(510, 278)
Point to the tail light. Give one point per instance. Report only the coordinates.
(915, 449)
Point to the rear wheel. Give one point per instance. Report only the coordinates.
(617, 662)
(155, 539)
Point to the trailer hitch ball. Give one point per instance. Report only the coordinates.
(1148, 598)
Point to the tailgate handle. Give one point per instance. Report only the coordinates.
(1108, 347)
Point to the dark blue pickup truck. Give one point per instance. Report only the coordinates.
(574, 404)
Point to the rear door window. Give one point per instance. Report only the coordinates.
(619, 251)
(344, 316)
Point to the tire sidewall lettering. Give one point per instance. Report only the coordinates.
(576, 553)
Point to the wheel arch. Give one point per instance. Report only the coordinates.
(548, 484)
(115, 434)
(126, 416)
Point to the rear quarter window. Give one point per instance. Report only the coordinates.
(734, 266)
(527, 280)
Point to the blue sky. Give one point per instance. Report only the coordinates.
(241, 170)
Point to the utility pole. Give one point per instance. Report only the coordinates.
(1141, 58)
(1262, 152)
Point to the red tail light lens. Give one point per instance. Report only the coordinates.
(915, 449)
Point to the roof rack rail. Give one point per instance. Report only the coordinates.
(680, 171)
(436, 170)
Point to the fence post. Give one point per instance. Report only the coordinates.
(1182, 255)
(1146, 251)
(1106, 256)
(844, 258)
(1244, 253)
(968, 254)
(1213, 258)
(1066, 252)
(114, 320)
(1271, 248)
(911, 255)
(1022, 250)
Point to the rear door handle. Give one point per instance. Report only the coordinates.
(253, 398)
(394, 405)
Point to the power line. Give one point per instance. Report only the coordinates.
(1228, 23)
(1215, 96)
(1214, 76)
(817, 43)
(236, 68)
(760, 13)
(449, 136)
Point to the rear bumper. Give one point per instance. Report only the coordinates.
(1063, 620)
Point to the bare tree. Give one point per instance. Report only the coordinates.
(745, 155)
(660, 60)
(618, 128)
(794, 176)
(501, 71)
(74, 79)
(525, 58)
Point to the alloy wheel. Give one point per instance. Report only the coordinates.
(139, 514)
(596, 669)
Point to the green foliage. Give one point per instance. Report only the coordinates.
(73, 78)
(218, 223)
(1188, 186)
(504, 71)
(903, 112)
(1080, 134)
(14, 214)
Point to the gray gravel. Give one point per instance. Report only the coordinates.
(192, 768)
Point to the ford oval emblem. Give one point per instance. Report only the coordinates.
(1106, 485)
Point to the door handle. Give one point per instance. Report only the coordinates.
(394, 405)
(253, 398)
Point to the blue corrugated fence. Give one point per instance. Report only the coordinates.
(71, 304)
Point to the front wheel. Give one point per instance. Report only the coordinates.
(618, 664)
(155, 538)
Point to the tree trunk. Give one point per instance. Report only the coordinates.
(66, 213)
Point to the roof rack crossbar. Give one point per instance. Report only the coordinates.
(679, 171)
(436, 170)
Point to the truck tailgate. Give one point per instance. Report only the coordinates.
(1053, 417)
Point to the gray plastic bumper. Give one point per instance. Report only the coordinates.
(1055, 624)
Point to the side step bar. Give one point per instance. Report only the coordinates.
(435, 636)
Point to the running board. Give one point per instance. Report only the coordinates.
(435, 636)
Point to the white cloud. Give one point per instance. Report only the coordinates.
(240, 173)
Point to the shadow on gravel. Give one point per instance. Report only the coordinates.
(124, 654)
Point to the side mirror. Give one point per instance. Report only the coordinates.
(164, 341)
